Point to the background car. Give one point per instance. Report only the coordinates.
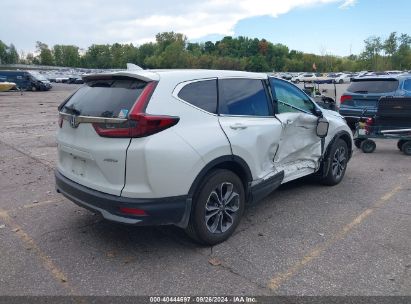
(345, 78)
(306, 77)
(362, 95)
(286, 76)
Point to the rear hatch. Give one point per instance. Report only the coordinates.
(363, 95)
(95, 132)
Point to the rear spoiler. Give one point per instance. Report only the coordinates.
(147, 76)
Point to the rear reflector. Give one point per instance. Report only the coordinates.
(139, 124)
(132, 211)
(345, 98)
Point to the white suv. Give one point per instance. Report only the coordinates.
(191, 147)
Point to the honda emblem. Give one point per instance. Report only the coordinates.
(73, 121)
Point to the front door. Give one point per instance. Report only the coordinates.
(300, 147)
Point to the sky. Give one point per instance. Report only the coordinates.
(336, 27)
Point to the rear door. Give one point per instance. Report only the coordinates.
(247, 118)
(99, 107)
(300, 147)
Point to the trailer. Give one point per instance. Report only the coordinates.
(392, 121)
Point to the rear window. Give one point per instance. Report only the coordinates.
(373, 86)
(202, 94)
(109, 97)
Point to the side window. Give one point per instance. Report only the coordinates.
(243, 97)
(407, 85)
(202, 94)
(290, 98)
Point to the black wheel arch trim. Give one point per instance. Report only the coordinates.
(207, 168)
(218, 161)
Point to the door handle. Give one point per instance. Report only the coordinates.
(289, 122)
(238, 126)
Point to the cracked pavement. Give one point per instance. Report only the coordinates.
(304, 239)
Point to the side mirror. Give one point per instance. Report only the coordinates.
(322, 127)
(318, 112)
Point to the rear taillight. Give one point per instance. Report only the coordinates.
(145, 124)
(139, 124)
(110, 130)
(368, 125)
(344, 98)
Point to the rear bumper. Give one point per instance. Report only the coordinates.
(159, 211)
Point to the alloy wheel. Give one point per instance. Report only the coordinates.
(221, 207)
(339, 162)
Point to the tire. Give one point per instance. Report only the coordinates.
(339, 159)
(357, 142)
(297, 81)
(33, 88)
(406, 148)
(341, 81)
(226, 214)
(368, 146)
(400, 143)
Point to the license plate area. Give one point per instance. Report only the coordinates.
(78, 166)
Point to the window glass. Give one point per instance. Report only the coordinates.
(289, 96)
(373, 86)
(109, 97)
(407, 85)
(202, 94)
(243, 97)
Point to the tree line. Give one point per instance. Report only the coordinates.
(173, 50)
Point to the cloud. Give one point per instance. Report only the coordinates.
(105, 21)
(201, 18)
(347, 4)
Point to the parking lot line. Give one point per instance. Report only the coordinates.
(281, 278)
(55, 271)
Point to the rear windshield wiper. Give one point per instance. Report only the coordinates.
(363, 92)
(72, 109)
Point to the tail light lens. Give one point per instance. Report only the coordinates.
(368, 125)
(139, 124)
(344, 98)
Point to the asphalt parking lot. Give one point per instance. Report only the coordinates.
(304, 239)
